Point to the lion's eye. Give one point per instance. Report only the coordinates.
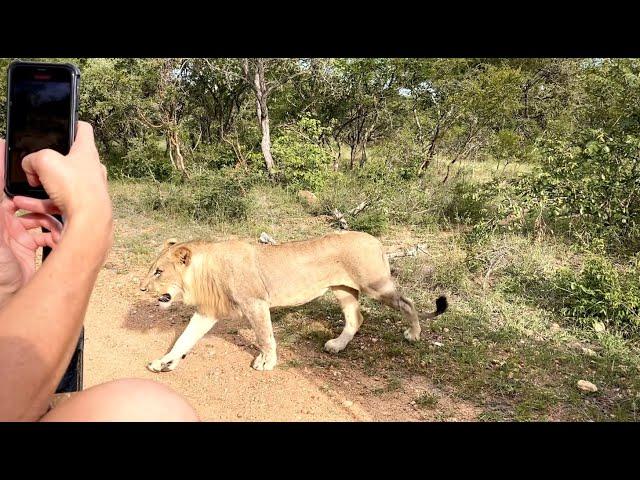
(158, 272)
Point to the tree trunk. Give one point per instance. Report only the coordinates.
(177, 160)
(352, 162)
(265, 143)
(432, 144)
(363, 154)
(263, 115)
(336, 161)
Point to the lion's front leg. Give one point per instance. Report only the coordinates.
(198, 326)
(260, 319)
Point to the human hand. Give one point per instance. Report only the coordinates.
(18, 239)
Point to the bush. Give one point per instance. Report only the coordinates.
(466, 203)
(145, 158)
(300, 161)
(208, 197)
(374, 222)
(593, 187)
(345, 191)
(601, 292)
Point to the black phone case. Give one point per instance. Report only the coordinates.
(75, 98)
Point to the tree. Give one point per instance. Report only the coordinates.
(256, 74)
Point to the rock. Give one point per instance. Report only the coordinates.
(305, 196)
(555, 327)
(267, 239)
(587, 386)
(427, 272)
(599, 327)
(446, 330)
(438, 344)
(588, 352)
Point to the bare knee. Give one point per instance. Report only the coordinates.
(125, 400)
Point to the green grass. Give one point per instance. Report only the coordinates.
(427, 400)
(505, 348)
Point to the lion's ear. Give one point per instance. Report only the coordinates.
(183, 254)
(169, 242)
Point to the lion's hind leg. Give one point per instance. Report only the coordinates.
(348, 298)
(385, 292)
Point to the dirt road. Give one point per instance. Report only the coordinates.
(125, 330)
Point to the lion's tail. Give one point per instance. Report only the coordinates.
(441, 307)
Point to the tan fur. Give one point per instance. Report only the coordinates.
(236, 278)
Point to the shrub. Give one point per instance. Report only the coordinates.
(601, 292)
(374, 222)
(145, 158)
(208, 197)
(300, 161)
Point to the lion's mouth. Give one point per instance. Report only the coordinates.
(165, 301)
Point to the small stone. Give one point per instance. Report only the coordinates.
(555, 327)
(266, 239)
(588, 352)
(438, 344)
(599, 327)
(587, 386)
(374, 340)
(446, 330)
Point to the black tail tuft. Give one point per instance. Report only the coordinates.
(441, 305)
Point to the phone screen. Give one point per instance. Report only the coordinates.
(41, 113)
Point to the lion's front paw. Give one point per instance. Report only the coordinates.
(334, 346)
(159, 365)
(411, 335)
(264, 362)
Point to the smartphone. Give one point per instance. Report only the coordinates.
(42, 112)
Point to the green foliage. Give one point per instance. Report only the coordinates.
(466, 202)
(590, 180)
(374, 222)
(208, 198)
(300, 161)
(601, 292)
(145, 158)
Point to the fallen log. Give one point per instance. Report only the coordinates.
(339, 216)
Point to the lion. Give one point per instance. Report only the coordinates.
(236, 278)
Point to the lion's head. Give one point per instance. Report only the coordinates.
(166, 274)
